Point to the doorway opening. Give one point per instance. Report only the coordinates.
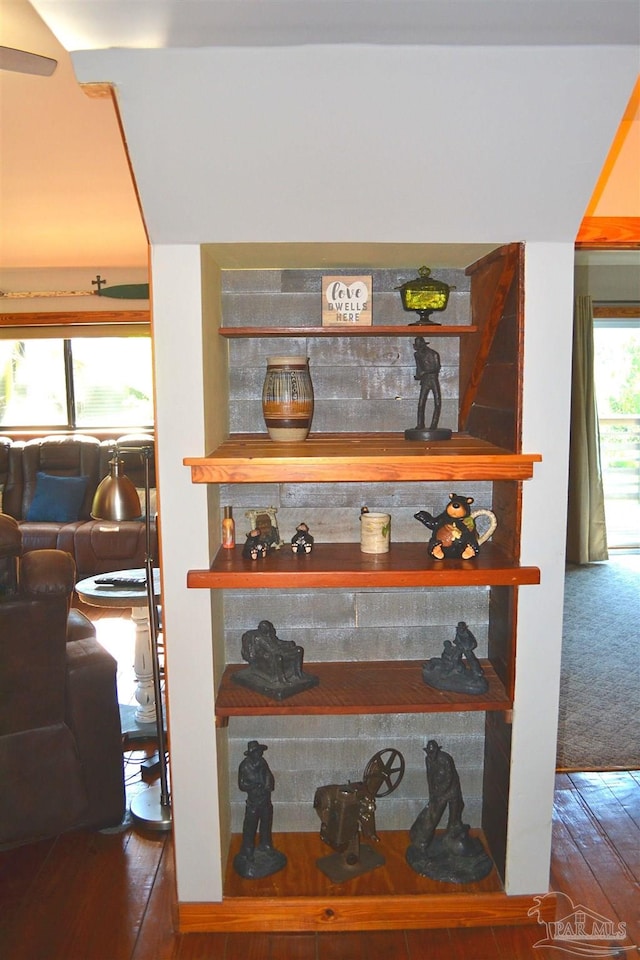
(617, 382)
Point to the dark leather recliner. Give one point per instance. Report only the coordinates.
(61, 761)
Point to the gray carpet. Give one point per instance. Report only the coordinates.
(600, 676)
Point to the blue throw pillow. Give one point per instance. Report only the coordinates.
(57, 499)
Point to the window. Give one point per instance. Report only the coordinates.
(79, 383)
(617, 378)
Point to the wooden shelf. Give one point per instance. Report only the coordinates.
(336, 565)
(399, 330)
(358, 688)
(254, 458)
(393, 896)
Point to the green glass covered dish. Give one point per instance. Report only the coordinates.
(424, 295)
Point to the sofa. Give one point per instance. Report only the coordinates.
(61, 761)
(48, 483)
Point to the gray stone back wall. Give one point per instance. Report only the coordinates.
(332, 510)
(359, 625)
(308, 752)
(360, 384)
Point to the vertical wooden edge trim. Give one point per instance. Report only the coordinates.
(511, 268)
(511, 679)
(520, 295)
(125, 145)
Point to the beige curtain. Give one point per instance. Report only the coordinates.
(586, 529)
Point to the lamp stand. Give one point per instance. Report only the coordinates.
(152, 808)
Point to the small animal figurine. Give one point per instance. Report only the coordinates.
(255, 547)
(454, 533)
(302, 541)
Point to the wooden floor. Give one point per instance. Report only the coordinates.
(92, 896)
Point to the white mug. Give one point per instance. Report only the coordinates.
(375, 531)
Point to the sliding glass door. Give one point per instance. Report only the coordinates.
(617, 375)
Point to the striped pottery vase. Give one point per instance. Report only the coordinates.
(287, 398)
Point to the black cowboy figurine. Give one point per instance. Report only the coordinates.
(453, 855)
(256, 780)
(427, 370)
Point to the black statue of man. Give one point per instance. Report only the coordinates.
(427, 370)
(453, 856)
(275, 665)
(256, 780)
(444, 790)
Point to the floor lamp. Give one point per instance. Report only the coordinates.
(117, 499)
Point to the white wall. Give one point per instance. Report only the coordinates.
(367, 142)
(177, 328)
(612, 276)
(545, 429)
(380, 144)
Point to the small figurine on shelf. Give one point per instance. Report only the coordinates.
(265, 520)
(275, 665)
(255, 548)
(452, 856)
(427, 370)
(257, 781)
(450, 672)
(454, 533)
(302, 541)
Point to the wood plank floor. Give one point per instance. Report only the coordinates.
(94, 896)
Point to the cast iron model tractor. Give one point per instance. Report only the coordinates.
(347, 810)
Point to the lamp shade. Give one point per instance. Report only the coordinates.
(116, 497)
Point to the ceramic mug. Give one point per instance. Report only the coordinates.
(375, 532)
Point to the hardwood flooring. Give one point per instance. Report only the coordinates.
(94, 896)
(111, 896)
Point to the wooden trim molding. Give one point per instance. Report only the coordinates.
(626, 310)
(67, 318)
(605, 232)
(97, 91)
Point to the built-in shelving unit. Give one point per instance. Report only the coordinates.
(486, 448)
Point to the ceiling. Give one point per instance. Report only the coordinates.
(66, 193)
(95, 24)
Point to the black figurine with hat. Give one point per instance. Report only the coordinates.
(257, 781)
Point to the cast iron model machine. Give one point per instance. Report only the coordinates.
(347, 810)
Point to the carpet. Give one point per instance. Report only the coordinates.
(599, 718)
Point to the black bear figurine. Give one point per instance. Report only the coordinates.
(453, 532)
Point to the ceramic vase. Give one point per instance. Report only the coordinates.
(287, 398)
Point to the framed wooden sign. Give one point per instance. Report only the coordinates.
(346, 301)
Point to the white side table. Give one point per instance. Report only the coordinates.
(133, 597)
